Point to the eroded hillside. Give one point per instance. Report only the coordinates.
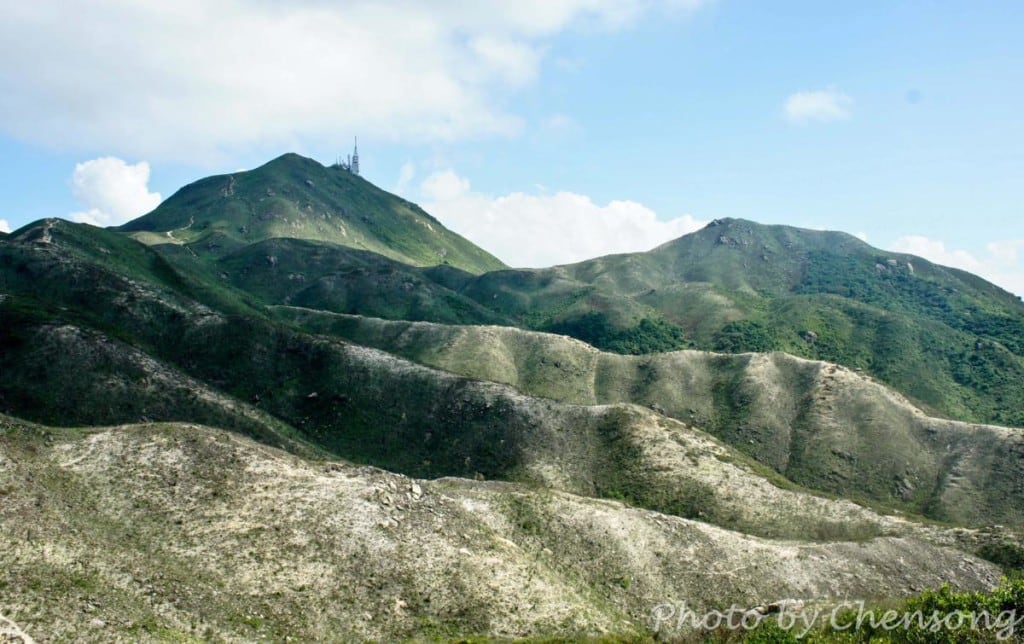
(818, 424)
(159, 532)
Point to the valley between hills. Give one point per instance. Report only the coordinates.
(288, 405)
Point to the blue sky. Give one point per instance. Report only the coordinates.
(547, 131)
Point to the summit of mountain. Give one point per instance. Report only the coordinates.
(296, 197)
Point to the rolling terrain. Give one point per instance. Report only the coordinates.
(182, 532)
(818, 424)
(209, 429)
(946, 339)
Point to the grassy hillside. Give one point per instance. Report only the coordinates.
(296, 197)
(818, 424)
(177, 532)
(947, 339)
(344, 280)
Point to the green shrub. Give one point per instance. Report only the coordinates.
(650, 335)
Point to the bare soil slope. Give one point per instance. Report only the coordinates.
(158, 532)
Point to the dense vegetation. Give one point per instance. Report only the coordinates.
(650, 335)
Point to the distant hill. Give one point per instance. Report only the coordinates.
(947, 339)
(950, 340)
(296, 197)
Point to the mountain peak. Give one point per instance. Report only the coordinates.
(739, 234)
(293, 196)
(293, 159)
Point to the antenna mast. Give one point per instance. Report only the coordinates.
(351, 161)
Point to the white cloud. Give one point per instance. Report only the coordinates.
(405, 176)
(543, 230)
(4, 226)
(1006, 252)
(1002, 264)
(193, 80)
(513, 62)
(444, 187)
(818, 105)
(111, 191)
(861, 236)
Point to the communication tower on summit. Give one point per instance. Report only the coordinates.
(351, 161)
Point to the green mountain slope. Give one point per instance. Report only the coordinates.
(590, 485)
(296, 197)
(947, 339)
(820, 425)
(345, 280)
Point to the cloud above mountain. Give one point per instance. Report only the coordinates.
(193, 80)
(111, 191)
(536, 230)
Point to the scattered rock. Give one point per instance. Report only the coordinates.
(846, 456)
(904, 489)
